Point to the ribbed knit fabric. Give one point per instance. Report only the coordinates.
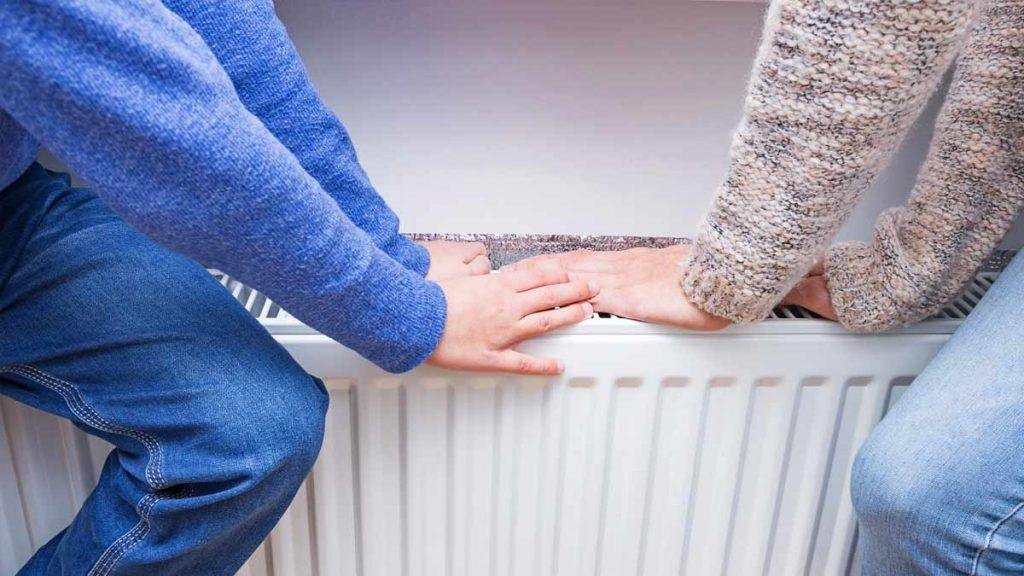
(835, 87)
(967, 195)
(259, 57)
(132, 99)
(254, 48)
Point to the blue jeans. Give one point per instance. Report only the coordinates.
(215, 426)
(939, 485)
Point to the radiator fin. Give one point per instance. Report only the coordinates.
(484, 475)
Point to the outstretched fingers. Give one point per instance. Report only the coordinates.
(528, 278)
(555, 295)
(519, 363)
(543, 322)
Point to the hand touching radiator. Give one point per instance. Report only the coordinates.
(488, 315)
(456, 259)
(639, 283)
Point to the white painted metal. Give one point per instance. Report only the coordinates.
(659, 452)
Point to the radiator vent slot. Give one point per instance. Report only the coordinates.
(263, 309)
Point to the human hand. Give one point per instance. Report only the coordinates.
(639, 283)
(456, 259)
(488, 315)
(812, 293)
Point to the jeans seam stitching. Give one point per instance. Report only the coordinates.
(154, 476)
(73, 397)
(991, 535)
(129, 539)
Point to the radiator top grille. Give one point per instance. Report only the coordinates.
(507, 248)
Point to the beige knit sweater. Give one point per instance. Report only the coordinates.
(836, 85)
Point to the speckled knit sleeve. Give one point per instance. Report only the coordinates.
(835, 86)
(968, 192)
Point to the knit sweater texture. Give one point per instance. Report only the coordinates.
(835, 87)
(197, 123)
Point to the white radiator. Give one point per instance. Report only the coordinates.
(659, 452)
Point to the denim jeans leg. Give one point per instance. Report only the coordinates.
(939, 484)
(215, 426)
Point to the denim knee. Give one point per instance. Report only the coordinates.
(259, 426)
(291, 429)
(878, 496)
(892, 492)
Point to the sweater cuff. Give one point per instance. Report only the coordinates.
(860, 293)
(708, 285)
(391, 316)
(413, 256)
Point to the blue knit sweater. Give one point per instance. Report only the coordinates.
(196, 121)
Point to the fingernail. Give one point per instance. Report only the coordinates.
(573, 277)
(588, 308)
(594, 287)
(560, 366)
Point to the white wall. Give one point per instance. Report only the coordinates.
(548, 117)
(596, 117)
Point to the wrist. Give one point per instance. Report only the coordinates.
(391, 315)
(412, 255)
(710, 286)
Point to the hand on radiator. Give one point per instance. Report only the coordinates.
(488, 315)
(639, 283)
(456, 259)
(812, 293)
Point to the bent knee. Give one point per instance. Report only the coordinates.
(877, 487)
(283, 421)
(255, 420)
(291, 428)
(897, 490)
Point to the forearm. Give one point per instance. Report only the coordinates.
(834, 88)
(18, 149)
(129, 97)
(969, 191)
(254, 48)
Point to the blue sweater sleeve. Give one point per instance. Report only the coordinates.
(131, 98)
(254, 48)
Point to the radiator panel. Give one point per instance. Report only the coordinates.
(655, 454)
(659, 452)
